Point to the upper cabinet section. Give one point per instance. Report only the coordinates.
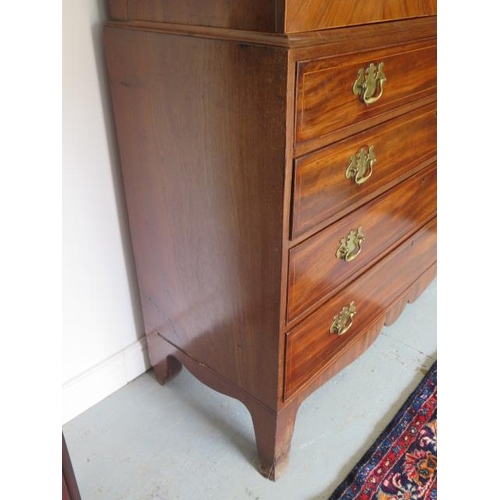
(250, 15)
(309, 15)
(272, 16)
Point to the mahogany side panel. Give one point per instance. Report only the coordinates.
(118, 10)
(305, 15)
(201, 133)
(253, 15)
(315, 270)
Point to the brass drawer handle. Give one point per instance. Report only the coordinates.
(360, 166)
(344, 319)
(350, 246)
(370, 81)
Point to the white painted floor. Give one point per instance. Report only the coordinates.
(184, 441)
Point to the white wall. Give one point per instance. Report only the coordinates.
(103, 344)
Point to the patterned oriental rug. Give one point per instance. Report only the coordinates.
(402, 463)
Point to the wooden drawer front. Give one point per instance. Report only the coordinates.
(321, 187)
(310, 346)
(305, 15)
(325, 99)
(315, 272)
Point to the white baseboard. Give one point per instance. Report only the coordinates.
(97, 383)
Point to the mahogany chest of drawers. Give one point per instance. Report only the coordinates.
(279, 166)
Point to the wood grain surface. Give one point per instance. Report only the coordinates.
(288, 16)
(321, 189)
(226, 139)
(201, 129)
(304, 15)
(252, 15)
(315, 271)
(325, 99)
(360, 343)
(307, 45)
(310, 346)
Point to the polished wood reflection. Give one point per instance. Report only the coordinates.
(234, 137)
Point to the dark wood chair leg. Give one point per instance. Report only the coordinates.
(273, 433)
(70, 489)
(161, 354)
